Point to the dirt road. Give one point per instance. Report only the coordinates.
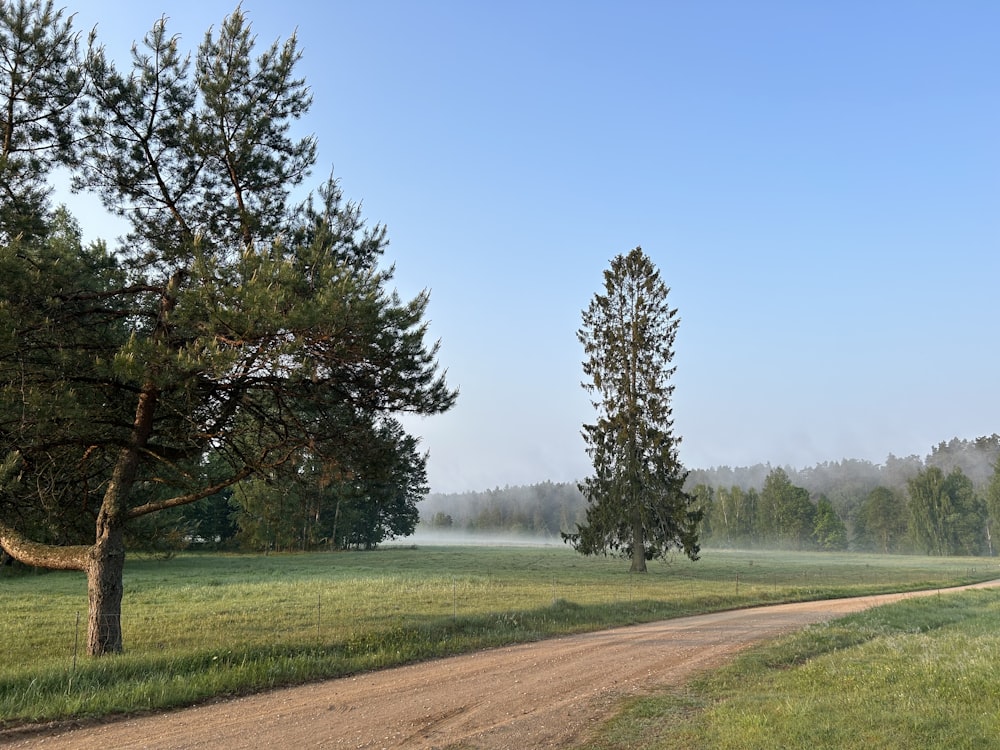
(541, 695)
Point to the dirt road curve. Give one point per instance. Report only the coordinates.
(541, 695)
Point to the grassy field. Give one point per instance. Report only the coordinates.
(198, 626)
(924, 673)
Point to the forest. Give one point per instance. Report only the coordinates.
(947, 503)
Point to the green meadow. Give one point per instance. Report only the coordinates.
(199, 626)
(923, 673)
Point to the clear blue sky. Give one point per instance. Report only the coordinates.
(818, 182)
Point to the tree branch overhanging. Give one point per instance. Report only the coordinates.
(49, 556)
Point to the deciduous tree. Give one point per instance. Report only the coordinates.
(734, 517)
(637, 503)
(787, 515)
(948, 518)
(829, 530)
(993, 508)
(882, 520)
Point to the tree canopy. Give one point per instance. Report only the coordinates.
(233, 334)
(41, 80)
(638, 505)
(948, 518)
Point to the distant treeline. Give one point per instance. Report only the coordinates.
(941, 504)
(543, 509)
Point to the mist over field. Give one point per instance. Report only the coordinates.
(537, 514)
(431, 536)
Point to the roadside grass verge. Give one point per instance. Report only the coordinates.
(198, 627)
(922, 673)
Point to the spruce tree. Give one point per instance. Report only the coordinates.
(637, 503)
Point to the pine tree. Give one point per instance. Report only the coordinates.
(637, 504)
(234, 333)
(41, 79)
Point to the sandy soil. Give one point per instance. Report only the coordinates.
(541, 695)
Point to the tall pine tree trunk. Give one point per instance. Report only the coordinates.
(105, 569)
(106, 559)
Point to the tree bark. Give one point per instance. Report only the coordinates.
(638, 544)
(106, 560)
(105, 569)
(103, 563)
(39, 555)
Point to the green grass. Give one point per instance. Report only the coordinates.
(924, 673)
(201, 626)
